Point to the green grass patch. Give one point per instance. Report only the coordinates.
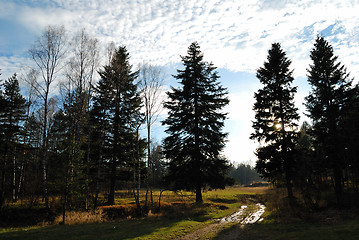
(149, 228)
(179, 216)
(348, 230)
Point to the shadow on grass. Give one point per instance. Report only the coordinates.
(346, 229)
(223, 200)
(175, 223)
(24, 216)
(124, 229)
(177, 220)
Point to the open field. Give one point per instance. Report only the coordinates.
(181, 219)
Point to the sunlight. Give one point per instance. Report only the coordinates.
(277, 126)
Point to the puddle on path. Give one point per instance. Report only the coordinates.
(250, 219)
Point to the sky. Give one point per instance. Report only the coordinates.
(233, 34)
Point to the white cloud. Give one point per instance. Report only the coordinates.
(234, 35)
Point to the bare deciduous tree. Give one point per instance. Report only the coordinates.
(80, 71)
(151, 82)
(29, 78)
(47, 53)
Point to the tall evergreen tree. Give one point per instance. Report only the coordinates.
(330, 92)
(275, 119)
(11, 117)
(195, 123)
(349, 139)
(117, 105)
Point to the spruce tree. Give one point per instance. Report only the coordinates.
(275, 119)
(117, 110)
(11, 116)
(349, 139)
(194, 127)
(328, 97)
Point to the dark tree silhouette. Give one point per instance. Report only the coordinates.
(11, 116)
(118, 103)
(330, 92)
(275, 119)
(195, 123)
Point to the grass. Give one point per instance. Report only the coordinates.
(280, 223)
(125, 229)
(347, 229)
(179, 216)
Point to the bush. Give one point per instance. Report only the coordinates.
(119, 211)
(78, 217)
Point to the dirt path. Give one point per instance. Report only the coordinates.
(243, 216)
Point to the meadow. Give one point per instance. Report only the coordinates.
(180, 217)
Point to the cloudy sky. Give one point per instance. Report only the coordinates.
(235, 35)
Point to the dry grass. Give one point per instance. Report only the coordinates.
(77, 217)
(173, 204)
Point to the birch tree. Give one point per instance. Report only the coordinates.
(48, 54)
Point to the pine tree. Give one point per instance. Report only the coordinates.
(349, 139)
(275, 119)
(11, 117)
(195, 123)
(329, 94)
(117, 110)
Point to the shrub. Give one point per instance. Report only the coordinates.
(119, 211)
(78, 217)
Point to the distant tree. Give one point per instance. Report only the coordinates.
(47, 53)
(244, 174)
(330, 87)
(194, 127)
(117, 107)
(275, 119)
(158, 166)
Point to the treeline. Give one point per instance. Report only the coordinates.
(314, 159)
(73, 141)
(244, 174)
(77, 144)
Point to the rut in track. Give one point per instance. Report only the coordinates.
(243, 216)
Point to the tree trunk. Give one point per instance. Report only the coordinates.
(97, 187)
(290, 190)
(21, 180)
(14, 197)
(136, 192)
(66, 193)
(2, 189)
(149, 163)
(159, 200)
(139, 168)
(44, 158)
(338, 187)
(111, 195)
(199, 198)
(136, 187)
